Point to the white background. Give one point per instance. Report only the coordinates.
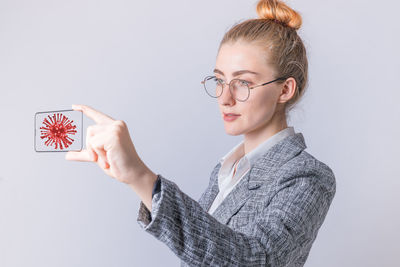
(142, 62)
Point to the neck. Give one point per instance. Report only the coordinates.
(254, 138)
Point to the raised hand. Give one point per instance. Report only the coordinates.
(109, 144)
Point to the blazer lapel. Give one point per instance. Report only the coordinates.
(275, 157)
(212, 190)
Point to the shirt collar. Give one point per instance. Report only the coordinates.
(238, 151)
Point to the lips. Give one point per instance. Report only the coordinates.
(231, 116)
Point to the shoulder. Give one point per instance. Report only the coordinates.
(305, 168)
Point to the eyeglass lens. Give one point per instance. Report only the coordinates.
(238, 88)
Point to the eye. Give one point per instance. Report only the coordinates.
(244, 82)
(218, 81)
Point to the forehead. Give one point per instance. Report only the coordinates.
(240, 55)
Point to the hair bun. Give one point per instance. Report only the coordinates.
(280, 12)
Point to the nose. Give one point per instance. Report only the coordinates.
(226, 97)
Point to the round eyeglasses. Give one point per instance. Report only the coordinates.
(240, 89)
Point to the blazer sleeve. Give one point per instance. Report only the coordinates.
(287, 225)
(156, 186)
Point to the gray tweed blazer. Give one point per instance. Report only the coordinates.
(270, 218)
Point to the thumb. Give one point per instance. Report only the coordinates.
(84, 155)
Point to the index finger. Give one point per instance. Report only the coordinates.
(95, 115)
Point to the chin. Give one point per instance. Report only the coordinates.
(233, 131)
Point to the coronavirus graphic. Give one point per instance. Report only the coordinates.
(57, 130)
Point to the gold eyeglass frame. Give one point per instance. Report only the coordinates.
(230, 88)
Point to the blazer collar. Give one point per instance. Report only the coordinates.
(275, 157)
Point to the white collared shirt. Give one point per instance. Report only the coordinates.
(227, 180)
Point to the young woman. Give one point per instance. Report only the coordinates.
(268, 197)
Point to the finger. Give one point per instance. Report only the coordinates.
(83, 155)
(95, 115)
(89, 135)
(97, 143)
(96, 128)
(100, 162)
(102, 159)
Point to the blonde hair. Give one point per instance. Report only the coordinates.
(275, 30)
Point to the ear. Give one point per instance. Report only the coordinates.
(288, 89)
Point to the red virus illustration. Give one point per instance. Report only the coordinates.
(57, 130)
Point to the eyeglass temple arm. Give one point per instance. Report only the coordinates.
(277, 79)
(208, 77)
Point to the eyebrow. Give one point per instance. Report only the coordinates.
(237, 73)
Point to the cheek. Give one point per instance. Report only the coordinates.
(261, 107)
